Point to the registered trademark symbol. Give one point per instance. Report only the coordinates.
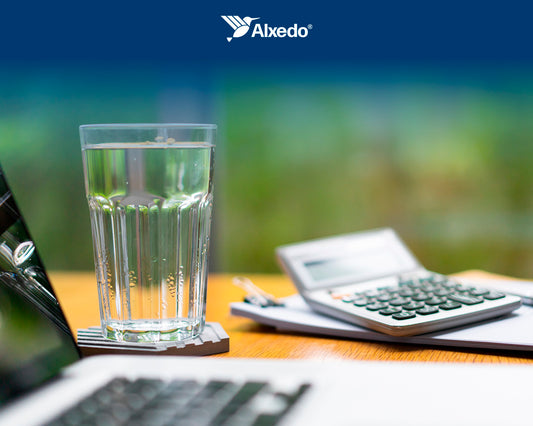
(310, 26)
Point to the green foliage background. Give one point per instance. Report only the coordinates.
(443, 156)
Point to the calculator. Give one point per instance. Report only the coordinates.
(372, 279)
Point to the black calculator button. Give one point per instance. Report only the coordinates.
(479, 292)
(390, 310)
(449, 305)
(439, 279)
(404, 283)
(465, 299)
(362, 302)
(435, 301)
(463, 288)
(384, 297)
(427, 310)
(419, 297)
(376, 306)
(441, 292)
(399, 301)
(404, 315)
(493, 295)
(416, 285)
(411, 306)
(405, 292)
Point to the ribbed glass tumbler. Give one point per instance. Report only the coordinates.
(149, 189)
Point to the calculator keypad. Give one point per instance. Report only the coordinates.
(418, 296)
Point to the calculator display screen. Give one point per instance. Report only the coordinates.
(365, 264)
(347, 259)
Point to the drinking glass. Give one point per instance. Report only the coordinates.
(149, 189)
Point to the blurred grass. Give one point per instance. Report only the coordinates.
(444, 158)
(447, 165)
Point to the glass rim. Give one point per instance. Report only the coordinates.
(200, 126)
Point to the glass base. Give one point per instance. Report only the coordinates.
(152, 331)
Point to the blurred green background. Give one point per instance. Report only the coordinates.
(442, 155)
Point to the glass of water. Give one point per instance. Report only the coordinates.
(149, 189)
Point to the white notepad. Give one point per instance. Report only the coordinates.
(511, 332)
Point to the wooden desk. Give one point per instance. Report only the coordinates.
(78, 295)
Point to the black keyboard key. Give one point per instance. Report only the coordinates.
(116, 385)
(362, 302)
(104, 419)
(273, 418)
(104, 396)
(73, 417)
(217, 385)
(465, 299)
(245, 394)
(494, 295)
(266, 420)
(89, 405)
(404, 315)
(121, 412)
(427, 310)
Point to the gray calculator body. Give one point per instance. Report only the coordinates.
(362, 278)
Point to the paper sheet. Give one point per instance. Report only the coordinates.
(512, 332)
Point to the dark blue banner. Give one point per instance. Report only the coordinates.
(164, 31)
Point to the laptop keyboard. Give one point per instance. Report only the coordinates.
(183, 402)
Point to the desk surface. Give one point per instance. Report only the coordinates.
(78, 295)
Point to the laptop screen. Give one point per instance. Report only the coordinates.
(35, 340)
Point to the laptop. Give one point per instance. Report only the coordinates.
(44, 381)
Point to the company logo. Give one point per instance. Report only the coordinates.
(242, 26)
